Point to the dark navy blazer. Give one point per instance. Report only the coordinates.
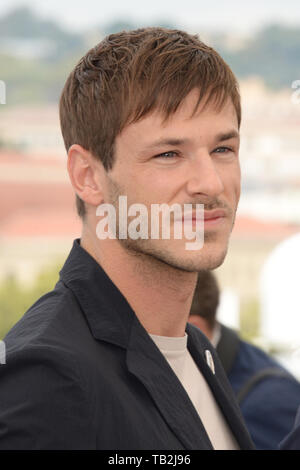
(81, 372)
(292, 440)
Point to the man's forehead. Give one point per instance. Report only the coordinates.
(155, 130)
(190, 107)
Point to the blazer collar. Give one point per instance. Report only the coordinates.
(108, 313)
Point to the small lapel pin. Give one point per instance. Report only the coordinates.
(209, 360)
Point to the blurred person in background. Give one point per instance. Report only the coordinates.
(292, 440)
(106, 360)
(268, 394)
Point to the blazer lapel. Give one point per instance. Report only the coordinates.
(146, 362)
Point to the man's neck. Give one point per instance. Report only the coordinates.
(159, 294)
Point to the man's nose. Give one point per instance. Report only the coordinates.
(204, 177)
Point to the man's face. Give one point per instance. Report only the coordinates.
(184, 160)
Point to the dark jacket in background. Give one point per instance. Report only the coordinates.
(292, 440)
(268, 394)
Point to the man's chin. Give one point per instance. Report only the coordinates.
(196, 262)
(207, 258)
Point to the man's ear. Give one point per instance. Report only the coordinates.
(86, 176)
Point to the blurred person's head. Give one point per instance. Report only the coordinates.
(154, 114)
(205, 303)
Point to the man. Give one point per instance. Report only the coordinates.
(267, 393)
(152, 115)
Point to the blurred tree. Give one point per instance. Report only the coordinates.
(126, 25)
(118, 25)
(249, 319)
(23, 23)
(273, 54)
(15, 299)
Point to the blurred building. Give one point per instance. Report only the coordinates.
(32, 130)
(37, 214)
(280, 301)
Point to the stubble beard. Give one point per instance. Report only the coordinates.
(151, 252)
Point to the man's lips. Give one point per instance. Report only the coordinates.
(205, 215)
(214, 214)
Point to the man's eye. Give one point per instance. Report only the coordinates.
(167, 155)
(223, 150)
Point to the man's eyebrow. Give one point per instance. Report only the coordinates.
(227, 135)
(172, 142)
(176, 142)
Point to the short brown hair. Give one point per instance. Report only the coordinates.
(206, 297)
(131, 73)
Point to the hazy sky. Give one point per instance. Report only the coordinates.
(235, 15)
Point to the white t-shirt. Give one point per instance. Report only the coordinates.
(176, 353)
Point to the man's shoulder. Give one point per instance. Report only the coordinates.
(44, 348)
(43, 395)
(53, 321)
(56, 331)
